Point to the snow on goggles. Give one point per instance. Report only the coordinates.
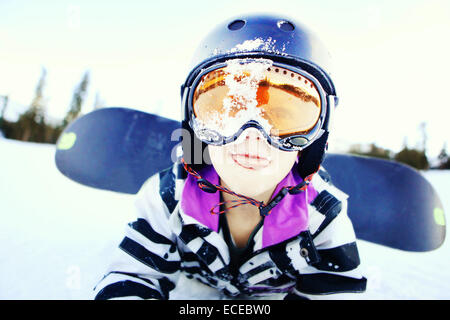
(286, 104)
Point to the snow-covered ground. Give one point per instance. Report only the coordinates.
(56, 236)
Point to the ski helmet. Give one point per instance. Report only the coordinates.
(282, 40)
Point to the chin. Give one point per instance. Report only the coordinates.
(252, 183)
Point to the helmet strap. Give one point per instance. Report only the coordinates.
(264, 210)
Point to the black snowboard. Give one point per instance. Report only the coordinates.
(118, 149)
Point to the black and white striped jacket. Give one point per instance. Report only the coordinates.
(164, 241)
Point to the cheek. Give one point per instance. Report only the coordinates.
(288, 158)
(220, 156)
(283, 162)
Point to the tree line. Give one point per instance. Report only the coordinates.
(414, 157)
(33, 125)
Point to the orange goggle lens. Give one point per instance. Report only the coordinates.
(287, 102)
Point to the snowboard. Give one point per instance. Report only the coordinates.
(118, 149)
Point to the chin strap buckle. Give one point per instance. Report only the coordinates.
(206, 186)
(265, 210)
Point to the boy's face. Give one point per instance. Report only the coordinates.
(251, 166)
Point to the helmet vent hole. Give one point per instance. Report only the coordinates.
(285, 25)
(236, 25)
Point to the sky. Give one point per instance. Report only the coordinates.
(390, 58)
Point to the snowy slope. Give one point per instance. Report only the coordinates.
(56, 236)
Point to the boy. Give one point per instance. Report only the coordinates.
(244, 211)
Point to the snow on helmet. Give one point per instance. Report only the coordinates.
(280, 39)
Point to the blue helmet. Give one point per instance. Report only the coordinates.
(280, 39)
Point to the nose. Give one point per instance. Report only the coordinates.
(252, 139)
(252, 134)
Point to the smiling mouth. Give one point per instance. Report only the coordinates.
(249, 161)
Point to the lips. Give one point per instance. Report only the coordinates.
(250, 161)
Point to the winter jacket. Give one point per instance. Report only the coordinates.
(289, 255)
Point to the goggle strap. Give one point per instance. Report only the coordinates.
(332, 103)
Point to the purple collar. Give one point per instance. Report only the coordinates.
(287, 219)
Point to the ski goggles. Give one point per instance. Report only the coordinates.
(286, 104)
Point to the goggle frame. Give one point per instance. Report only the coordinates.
(294, 142)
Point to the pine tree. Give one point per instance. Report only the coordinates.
(77, 100)
(4, 104)
(32, 122)
(444, 159)
(423, 131)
